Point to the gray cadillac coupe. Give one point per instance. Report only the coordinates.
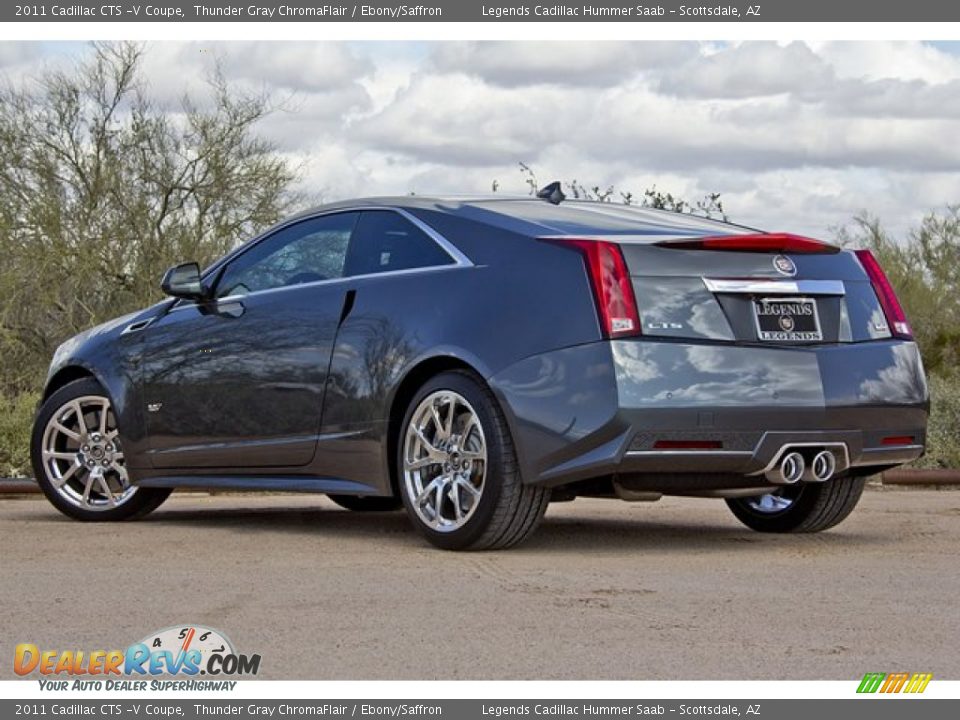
(474, 359)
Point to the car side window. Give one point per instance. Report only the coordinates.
(385, 241)
(307, 251)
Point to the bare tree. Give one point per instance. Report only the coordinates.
(709, 205)
(101, 190)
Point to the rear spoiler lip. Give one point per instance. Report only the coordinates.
(754, 242)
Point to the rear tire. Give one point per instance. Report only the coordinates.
(800, 508)
(367, 503)
(78, 459)
(459, 477)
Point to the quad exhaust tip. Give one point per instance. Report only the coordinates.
(789, 470)
(793, 467)
(822, 468)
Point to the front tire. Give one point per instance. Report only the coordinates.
(459, 476)
(800, 508)
(78, 460)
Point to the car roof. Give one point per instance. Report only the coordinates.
(535, 217)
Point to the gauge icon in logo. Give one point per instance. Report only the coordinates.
(181, 639)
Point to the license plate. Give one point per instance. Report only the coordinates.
(787, 319)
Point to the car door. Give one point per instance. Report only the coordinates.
(238, 381)
(392, 259)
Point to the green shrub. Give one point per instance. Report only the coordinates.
(943, 435)
(16, 421)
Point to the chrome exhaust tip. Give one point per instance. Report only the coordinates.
(789, 471)
(823, 467)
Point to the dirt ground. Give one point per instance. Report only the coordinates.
(605, 590)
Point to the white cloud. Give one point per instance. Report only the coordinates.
(898, 60)
(307, 67)
(16, 53)
(749, 70)
(23, 61)
(797, 136)
(890, 98)
(460, 120)
(512, 64)
(284, 69)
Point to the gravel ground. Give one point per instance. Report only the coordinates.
(604, 590)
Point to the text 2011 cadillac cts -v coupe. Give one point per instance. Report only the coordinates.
(474, 359)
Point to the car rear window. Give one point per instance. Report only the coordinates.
(384, 241)
(586, 219)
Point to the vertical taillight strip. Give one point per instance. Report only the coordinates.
(896, 317)
(611, 284)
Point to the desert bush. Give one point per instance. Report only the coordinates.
(943, 434)
(924, 268)
(16, 421)
(102, 188)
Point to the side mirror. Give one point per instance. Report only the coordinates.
(183, 281)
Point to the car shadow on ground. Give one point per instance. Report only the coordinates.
(556, 534)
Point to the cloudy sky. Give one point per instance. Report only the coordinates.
(795, 136)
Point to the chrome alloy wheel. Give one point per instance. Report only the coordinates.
(444, 461)
(82, 457)
(771, 503)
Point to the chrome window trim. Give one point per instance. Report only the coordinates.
(459, 259)
(445, 244)
(452, 250)
(330, 281)
(776, 287)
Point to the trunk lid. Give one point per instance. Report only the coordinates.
(771, 296)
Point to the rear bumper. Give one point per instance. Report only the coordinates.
(603, 408)
(853, 449)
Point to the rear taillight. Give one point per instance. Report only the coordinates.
(896, 318)
(688, 445)
(612, 287)
(758, 242)
(898, 440)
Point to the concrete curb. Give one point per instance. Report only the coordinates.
(921, 477)
(18, 486)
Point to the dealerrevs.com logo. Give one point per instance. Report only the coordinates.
(185, 650)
